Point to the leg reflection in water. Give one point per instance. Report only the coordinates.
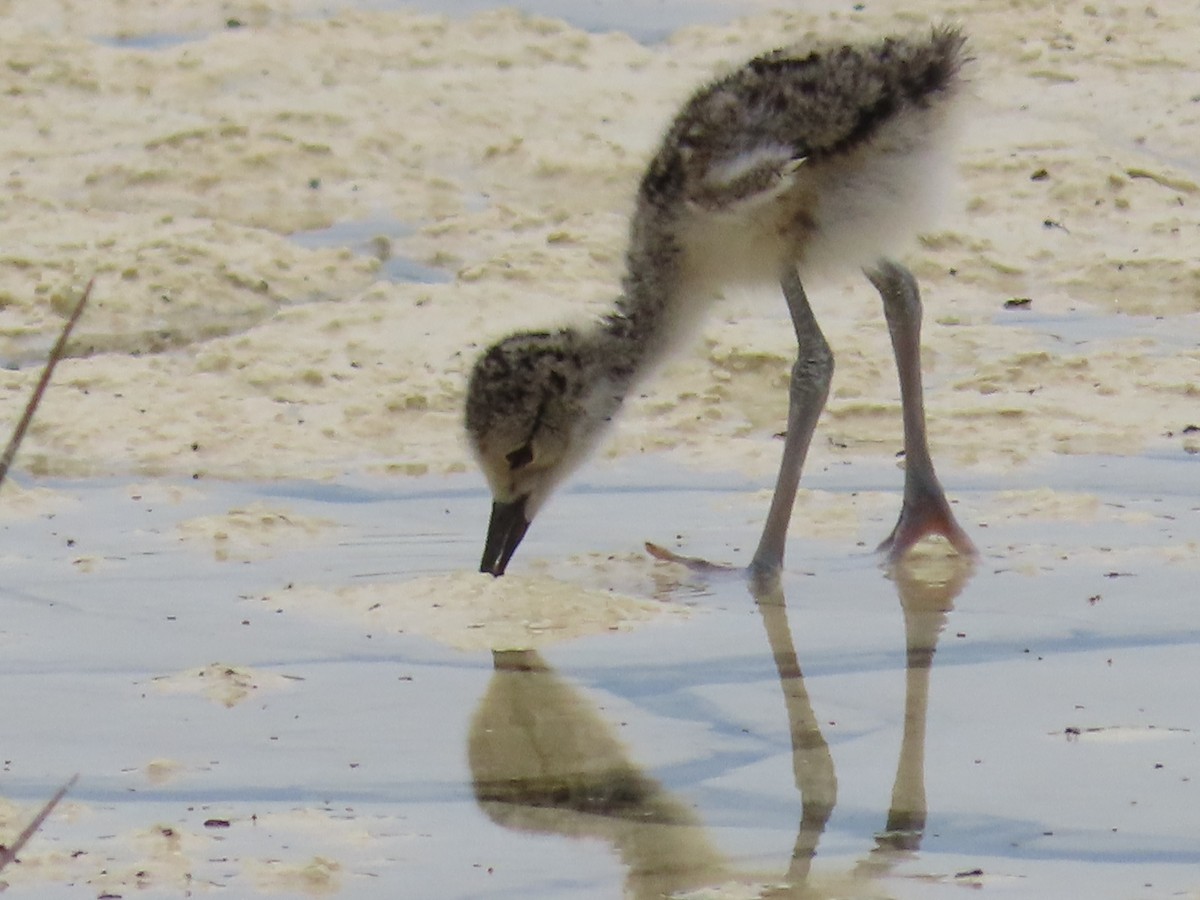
(544, 760)
(927, 596)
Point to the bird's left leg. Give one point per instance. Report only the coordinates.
(807, 392)
(925, 509)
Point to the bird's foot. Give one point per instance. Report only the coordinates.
(930, 514)
(695, 563)
(764, 578)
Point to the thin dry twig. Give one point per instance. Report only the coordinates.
(56, 353)
(8, 854)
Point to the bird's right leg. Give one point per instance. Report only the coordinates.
(807, 392)
(925, 509)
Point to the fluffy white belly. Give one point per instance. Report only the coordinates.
(829, 218)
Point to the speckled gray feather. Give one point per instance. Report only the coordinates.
(816, 102)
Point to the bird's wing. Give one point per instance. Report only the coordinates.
(751, 177)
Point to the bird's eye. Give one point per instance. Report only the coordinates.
(520, 457)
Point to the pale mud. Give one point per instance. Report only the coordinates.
(473, 611)
(510, 146)
(143, 859)
(253, 531)
(223, 684)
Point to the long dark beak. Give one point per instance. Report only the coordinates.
(505, 530)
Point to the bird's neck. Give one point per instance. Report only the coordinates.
(640, 330)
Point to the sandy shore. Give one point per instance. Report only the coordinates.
(501, 151)
(304, 226)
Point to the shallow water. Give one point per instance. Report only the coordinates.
(646, 22)
(1051, 747)
(374, 237)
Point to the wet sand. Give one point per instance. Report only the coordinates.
(240, 597)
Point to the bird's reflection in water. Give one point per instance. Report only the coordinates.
(544, 760)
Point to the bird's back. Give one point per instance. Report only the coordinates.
(825, 158)
(808, 104)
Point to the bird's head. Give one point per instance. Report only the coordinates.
(530, 418)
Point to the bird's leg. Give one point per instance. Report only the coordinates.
(925, 510)
(807, 392)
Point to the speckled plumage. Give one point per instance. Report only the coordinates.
(827, 158)
(802, 160)
(813, 104)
